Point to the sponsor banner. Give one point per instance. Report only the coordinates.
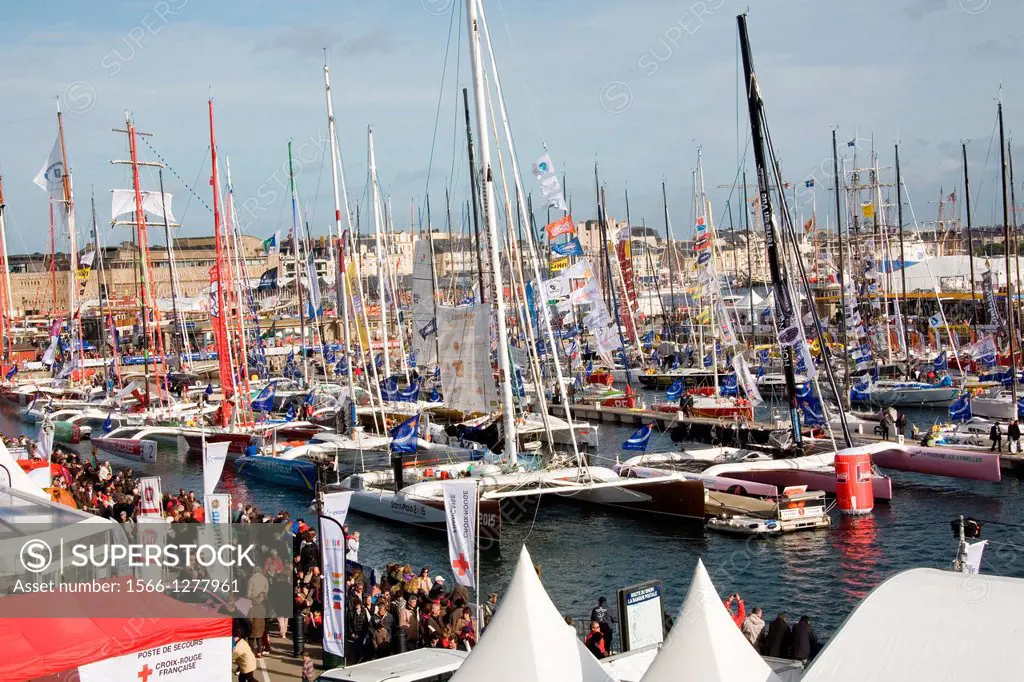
(201, 660)
(460, 514)
(335, 506)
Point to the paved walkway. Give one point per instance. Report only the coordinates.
(280, 665)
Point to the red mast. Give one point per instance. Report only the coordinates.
(153, 334)
(220, 327)
(5, 293)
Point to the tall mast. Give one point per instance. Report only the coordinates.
(7, 309)
(227, 369)
(381, 255)
(102, 294)
(750, 268)
(701, 210)
(473, 187)
(341, 278)
(53, 259)
(490, 219)
(433, 283)
(670, 251)
(297, 263)
(903, 255)
(1006, 241)
(970, 234)
(844, 399)
(1016, 237)
(783, 302)
(69, 214)
(179, 331)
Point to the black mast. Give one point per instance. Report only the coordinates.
(970, 234)
(903, 255)
(750, 269)
(670, 250)
(783, 303)
(1006, 240)
(1016, 237)
(472, 191)
(844, 399)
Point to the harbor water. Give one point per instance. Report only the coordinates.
(584, 553)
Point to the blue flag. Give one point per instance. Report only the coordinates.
(389, 389)
(403, 436)
(728, 386)
(638, 441)
(960, 409)
(310, 397)
(435, 395)
(264, 402)
(411, 394)
(11, 372)
(108, 424)
(573, 247)
(763, 356)
(208, 391)
(675, 391)
(810, 405)
(290, 414)
(859, 391)
(940, 362)
(707, 360)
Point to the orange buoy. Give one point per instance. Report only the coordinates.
(854, 493)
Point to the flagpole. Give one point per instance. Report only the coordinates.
(476, 566)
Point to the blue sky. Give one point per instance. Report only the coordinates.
(637, 85)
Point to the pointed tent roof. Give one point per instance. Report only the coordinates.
(705, 643)
(528, 641)
(12, 475)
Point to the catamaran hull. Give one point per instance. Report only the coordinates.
(977, 466)
(290, 473)
(421, 512)
(994, 408)
(914, 397)
(237, 442)
(824, 480)
(128, 449)
(666, 497)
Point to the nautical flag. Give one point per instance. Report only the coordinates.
(556, 228)
(429, 328)
(309, 399)
(108, 424)
(214, 457)
(11, 372)
(763, 356)
(810, 406)
(675, 362)
(638, 441)
(208, 391)
(341, 367)
(859, 391)
(589, 369)
(379, 360)
(940, 362)
(315, 307)
(435, 395)
(290, 414)
(264, 402)
(647, 339)
(707, 360)
(573, 247)
(675, 391)
(270, 244)
(852, 143)
(403, 436)
(460, 510)
(728, 386)
(51, 176)
(935, 320)
(410, 394)
(960, 409)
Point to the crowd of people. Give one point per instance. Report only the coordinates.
(777, 639)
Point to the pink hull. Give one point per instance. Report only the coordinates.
(977, 466)
(814, 480)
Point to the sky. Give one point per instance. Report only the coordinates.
(636, 86)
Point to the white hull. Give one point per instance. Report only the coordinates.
(912, 395)
(999, 407)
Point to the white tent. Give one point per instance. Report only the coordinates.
(528, 640)
(705, 643)
(12, 476)
(929, 625)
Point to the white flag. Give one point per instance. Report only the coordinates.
(123, 201)
(217, 507)
(151, 497)
(556, 287)
(460, 511)
(589, 293)
(578, 270)
(543, 166)
(974, 552)
(51, 176)
(214, 456)
(332, 520)
(746, 380)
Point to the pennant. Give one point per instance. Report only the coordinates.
(214, 457)
(559, 227)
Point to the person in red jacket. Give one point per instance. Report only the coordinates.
(741, 610)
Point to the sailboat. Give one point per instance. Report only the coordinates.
(413, 494)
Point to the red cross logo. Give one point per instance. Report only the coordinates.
(145, 673)
(460, 565)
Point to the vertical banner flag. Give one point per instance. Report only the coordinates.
(544, 171)
(465, 360)
(217, 508)
(974, 552)
(460, 512)
(335, 506)
(150, 496)
(51, 176)
(746, 380)
(214, 456)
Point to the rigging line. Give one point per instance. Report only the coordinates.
(525, 86)
(188, 202)
(437, 108)
(456, 125)
(981, 184)
(169, 167)
(316, 194)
